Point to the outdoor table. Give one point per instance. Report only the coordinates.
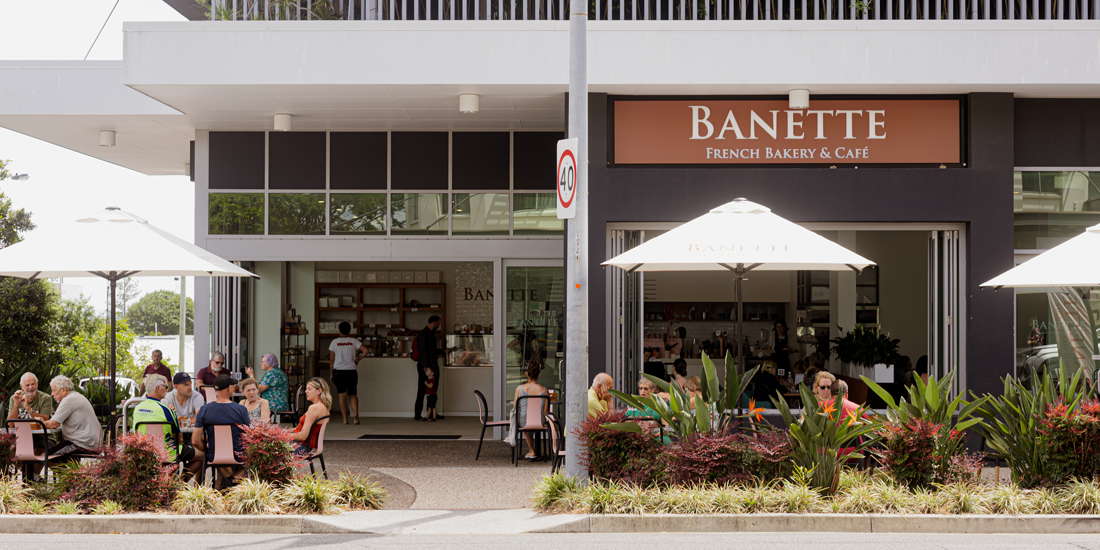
(35, 432)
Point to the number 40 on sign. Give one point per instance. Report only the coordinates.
(567, 178)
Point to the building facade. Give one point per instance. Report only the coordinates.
(944, 141)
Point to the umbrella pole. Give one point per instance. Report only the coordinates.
(113, 354)
(740, 328)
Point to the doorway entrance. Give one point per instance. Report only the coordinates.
(534, 310)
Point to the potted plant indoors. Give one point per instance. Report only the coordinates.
(862, 349)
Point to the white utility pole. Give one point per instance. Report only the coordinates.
(576, 235)
(183, 320)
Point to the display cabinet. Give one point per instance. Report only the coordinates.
(470, 350)
(384, 316)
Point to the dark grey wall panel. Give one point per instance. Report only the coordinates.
(357, 160)
(535, 162)
(479, 160)
(296, 160)
(191, 157)
(236, 160)
(1059, 133)
(978, 195)
(419, 160)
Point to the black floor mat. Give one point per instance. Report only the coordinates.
(385, 436)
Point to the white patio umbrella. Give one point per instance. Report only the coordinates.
(1075, 262)
(111, 244)
(739, 237)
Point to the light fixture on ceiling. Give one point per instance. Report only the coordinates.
(468, 103)
(800, 99)
(21, 177)
(106, 138)
(282, 123)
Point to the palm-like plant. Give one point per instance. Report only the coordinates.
(710, 415)
(822, 441)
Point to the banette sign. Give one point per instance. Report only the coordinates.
(769, 132)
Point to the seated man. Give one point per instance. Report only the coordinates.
(599, 399)
(650, 421)
(839, 390)
(219, 412)
(29, 400)
(184, 400)
(75, 417)
(153, 409)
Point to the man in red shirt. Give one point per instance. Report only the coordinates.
(156, 368)
(207, 374)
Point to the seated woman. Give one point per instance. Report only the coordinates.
(320, 399)
(259, 410)
(680, 372)
(530, 387)
(767, 385)
(649, 420)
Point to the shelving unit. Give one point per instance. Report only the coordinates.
(293, 357)
(378, 306)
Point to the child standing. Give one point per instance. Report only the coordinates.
(429, 391)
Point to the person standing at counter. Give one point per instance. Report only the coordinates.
(344, 354)
(427, 357)
(779, 342)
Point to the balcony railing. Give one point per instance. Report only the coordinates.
(652, 10)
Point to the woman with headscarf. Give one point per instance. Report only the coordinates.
(273, 385)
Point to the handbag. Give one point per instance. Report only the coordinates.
(513, 425)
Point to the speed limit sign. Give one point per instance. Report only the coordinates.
(567, 178)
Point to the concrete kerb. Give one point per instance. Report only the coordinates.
(529, 521)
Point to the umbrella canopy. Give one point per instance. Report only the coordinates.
(111, 240)
(739, 236)
(111, 244)
(1075, 262)
(740, 232)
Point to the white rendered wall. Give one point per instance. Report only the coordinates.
(1043, 57)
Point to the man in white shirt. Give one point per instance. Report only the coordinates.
(344, 354)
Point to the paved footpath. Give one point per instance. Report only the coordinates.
(755, 541)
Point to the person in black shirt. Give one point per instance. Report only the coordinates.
(429, 358)
(767, 385)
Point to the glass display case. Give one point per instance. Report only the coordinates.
(471, 350)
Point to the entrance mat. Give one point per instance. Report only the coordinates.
(385, 436)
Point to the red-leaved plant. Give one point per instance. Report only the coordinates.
(1070, 441)
(130, 474)
(921, 453)
(269, 453)
(632, 458)
(7, 454)
(727, 458)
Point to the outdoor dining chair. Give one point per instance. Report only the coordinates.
(534, 421)
(24, 447)
(483, 414)
(223, 449)
(318, 453)
(162, 430)
(557, 444)
(208, 393)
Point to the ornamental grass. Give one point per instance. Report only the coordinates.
(856, 494)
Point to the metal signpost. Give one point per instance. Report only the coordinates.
(576, 240)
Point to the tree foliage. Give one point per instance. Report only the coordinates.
(12, 221)
(159, 311)
(88, 355)
(125, 293)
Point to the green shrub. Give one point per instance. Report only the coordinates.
(252, 497)
(309, 495)
(616, 455)
(198, 500)
(12, 495)
(1080, 496)
(8, 467)
(821, 441)
(358, 492)
(66, 508)
(1013, 421)
(108, 508)
(552, 488)
(1069, 441)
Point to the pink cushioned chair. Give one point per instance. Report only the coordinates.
(535, 421)
(223, 449)
(24, 446)
(483, 414)
(318, 452)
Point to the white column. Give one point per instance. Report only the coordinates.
(842, 299)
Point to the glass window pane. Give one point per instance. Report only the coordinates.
(236, 214)
(535, 331)
(296, 214)
(1052, 207)
(536, 214)
(480, 213)
(1055, 327)
(357, 213)
(419, 214)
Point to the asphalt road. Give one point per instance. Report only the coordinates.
(754, 541)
